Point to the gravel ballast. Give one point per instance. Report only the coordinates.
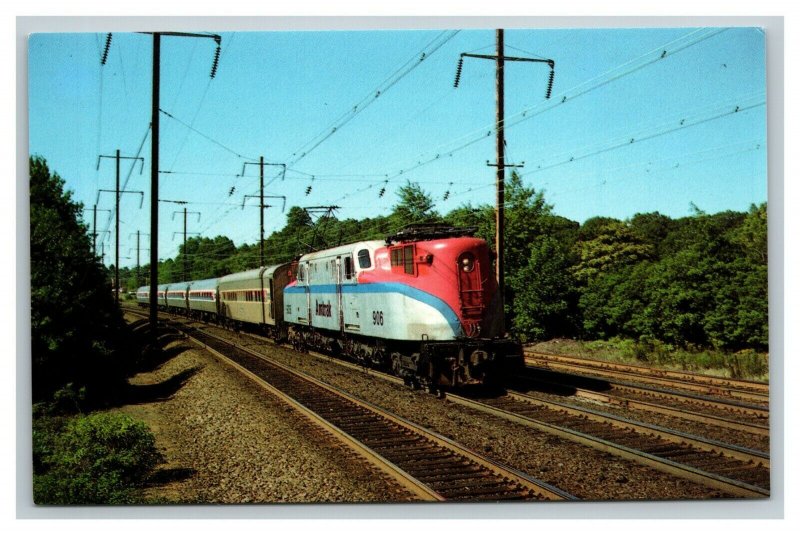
(579, 470)
(225, 440)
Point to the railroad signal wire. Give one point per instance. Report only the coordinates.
(649, 165)
(674, 125)
(415, 61)
(652, 167)
(206, 136)
(202, 99)
(645, 60)
(630, 67)
(649, 58)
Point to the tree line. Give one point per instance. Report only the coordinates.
(692, 282)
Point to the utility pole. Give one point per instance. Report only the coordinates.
(185, 257)
(94, 211)
(154, 118)
(117, 193)
(138, 249)
(261, 196)
(500, 220)
(500, 58)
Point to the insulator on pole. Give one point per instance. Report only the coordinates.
(550, 83)
(458, 71)
(216, 61)
(105, 51)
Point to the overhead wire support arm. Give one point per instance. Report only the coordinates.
(122, 192)
(500, 58)
(550, 63)
(94, 211)
(185, 213)
(261, 164)
(117, 191)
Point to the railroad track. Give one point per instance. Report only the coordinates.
(430, 466)
(746, 391)
(754, 415)
(734, 470)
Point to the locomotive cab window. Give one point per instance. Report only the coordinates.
(363, 259)
(403, 256)
(408, 259)
(348, 267)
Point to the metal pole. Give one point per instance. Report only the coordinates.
(500, 213)
(116, 240)
(137, 259)
(154, 186)
(185, 270)
(94, 231)
(261, 209)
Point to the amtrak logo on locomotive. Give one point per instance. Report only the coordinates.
(323, 309)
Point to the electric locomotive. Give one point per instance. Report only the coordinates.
(424, 303)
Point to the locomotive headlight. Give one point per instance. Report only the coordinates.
(467, 262)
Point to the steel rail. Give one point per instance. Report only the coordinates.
(732, 406)
(678, 437)
(679, 375)
(539, 488)
(720, 482)
(741, 395)
(731, 486)
(627, 403)
(579, 392)
(746, 455)
(406, 480)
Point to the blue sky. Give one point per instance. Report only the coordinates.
(276, 91)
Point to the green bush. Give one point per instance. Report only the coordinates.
(97, 459)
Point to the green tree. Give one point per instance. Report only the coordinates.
(610, 245)
(751, 235)
(545, 292)
(75, 326)
(414, 206)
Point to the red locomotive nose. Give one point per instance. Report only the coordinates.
(471, 289)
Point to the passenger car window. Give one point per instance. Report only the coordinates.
(363, 259)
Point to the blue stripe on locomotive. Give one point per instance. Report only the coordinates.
(386, 287)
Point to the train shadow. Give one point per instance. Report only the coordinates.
(152, 360)
(555, 383)
(138, 394)
(164, 476)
